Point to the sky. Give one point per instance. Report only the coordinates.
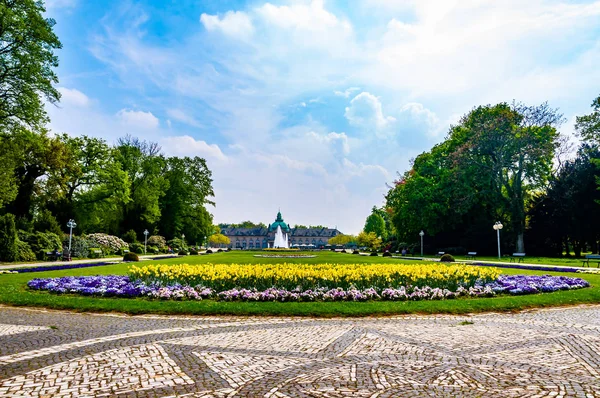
(312, 106)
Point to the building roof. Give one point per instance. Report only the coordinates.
(293, 232)
(279, 223)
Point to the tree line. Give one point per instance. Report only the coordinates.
(508, 163)
(47, 179)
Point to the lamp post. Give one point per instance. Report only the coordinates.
(421, 234)
(182, 241)
(145, 240)
(498, 226)
(71, 224)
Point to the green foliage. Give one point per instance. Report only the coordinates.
(24, 252)
(376, 224)
(369, 240)
(80, 246)
(27, 45)
(177, 244)
(182, 253)
(130, 257)
(136, 248)
(387, 254)
(588, 126)
(46, 222)
(343, 240)
(193, 252)
(158, 241)
(447, 258)
(8, 238)
(130, 236)
(219, 239)
(243, 224)
(42, 242)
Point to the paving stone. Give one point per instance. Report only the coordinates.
(545, 353)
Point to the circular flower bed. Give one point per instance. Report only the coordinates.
(124, 286)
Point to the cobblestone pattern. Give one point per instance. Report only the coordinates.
(547, 353)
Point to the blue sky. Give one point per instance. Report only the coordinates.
(312, 106)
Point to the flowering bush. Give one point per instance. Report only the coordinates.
(223, 277)
(113, 243)
(158, 241)
(124, 286)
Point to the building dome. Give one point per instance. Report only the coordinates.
(279, 223)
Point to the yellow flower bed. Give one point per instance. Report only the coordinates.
(309, 276)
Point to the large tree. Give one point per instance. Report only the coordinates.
(375, 223)
(27, 60)
(513, 147)
(588, 126)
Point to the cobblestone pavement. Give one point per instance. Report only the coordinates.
(546, 353)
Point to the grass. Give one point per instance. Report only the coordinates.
(563, 261)
(14, 291)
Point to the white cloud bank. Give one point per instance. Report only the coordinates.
(141, 119)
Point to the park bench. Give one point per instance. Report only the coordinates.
(53, 255)
(95, 252)
(471, 255)
(517, 257)
(592, 257)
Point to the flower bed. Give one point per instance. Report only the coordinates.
(288, 255)
(124, 286)
(221, 277)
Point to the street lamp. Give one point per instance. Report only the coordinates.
(182, 241)
(421, 234)
(145, 239)
(71, 224)
(498, 226)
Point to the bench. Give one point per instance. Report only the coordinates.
(471, 255)
(53, 256)
(592, 257)
(517, 257)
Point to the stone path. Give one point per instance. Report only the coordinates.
(547, 353)
(4, 266)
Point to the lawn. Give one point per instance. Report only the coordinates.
(13, 291)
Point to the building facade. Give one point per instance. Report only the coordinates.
(263, 237)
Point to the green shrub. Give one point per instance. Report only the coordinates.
(208, 251)
(94, 253)
(220, 251)
(194, 252)
(136, 248)
(8, 238)
(130, 257)
(42, 242)
(355, 252)
(374, 253)
(158, 241)
(387, 254)
(152, 249)
(46, 222)
(447, 258)
(130, 236)
(80, 246)
(182, 253)
(24, 252)
(177, 244)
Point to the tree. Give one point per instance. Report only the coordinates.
(588, 126)
(376, 224)
(8, 186)
(219, 239)
(370, 240)
(182, 207)
(92, 187)
(145, 168)
(512, 147)
(342, 240)
(27, 60)
(8, 238)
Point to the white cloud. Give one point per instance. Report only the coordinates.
(365, 110)
(418, 114)
(339, 141)
(234, 23)
(141, 119)
(71, 96)
(188, 146)
(311, 17)
(183, 117)
(347, 92)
